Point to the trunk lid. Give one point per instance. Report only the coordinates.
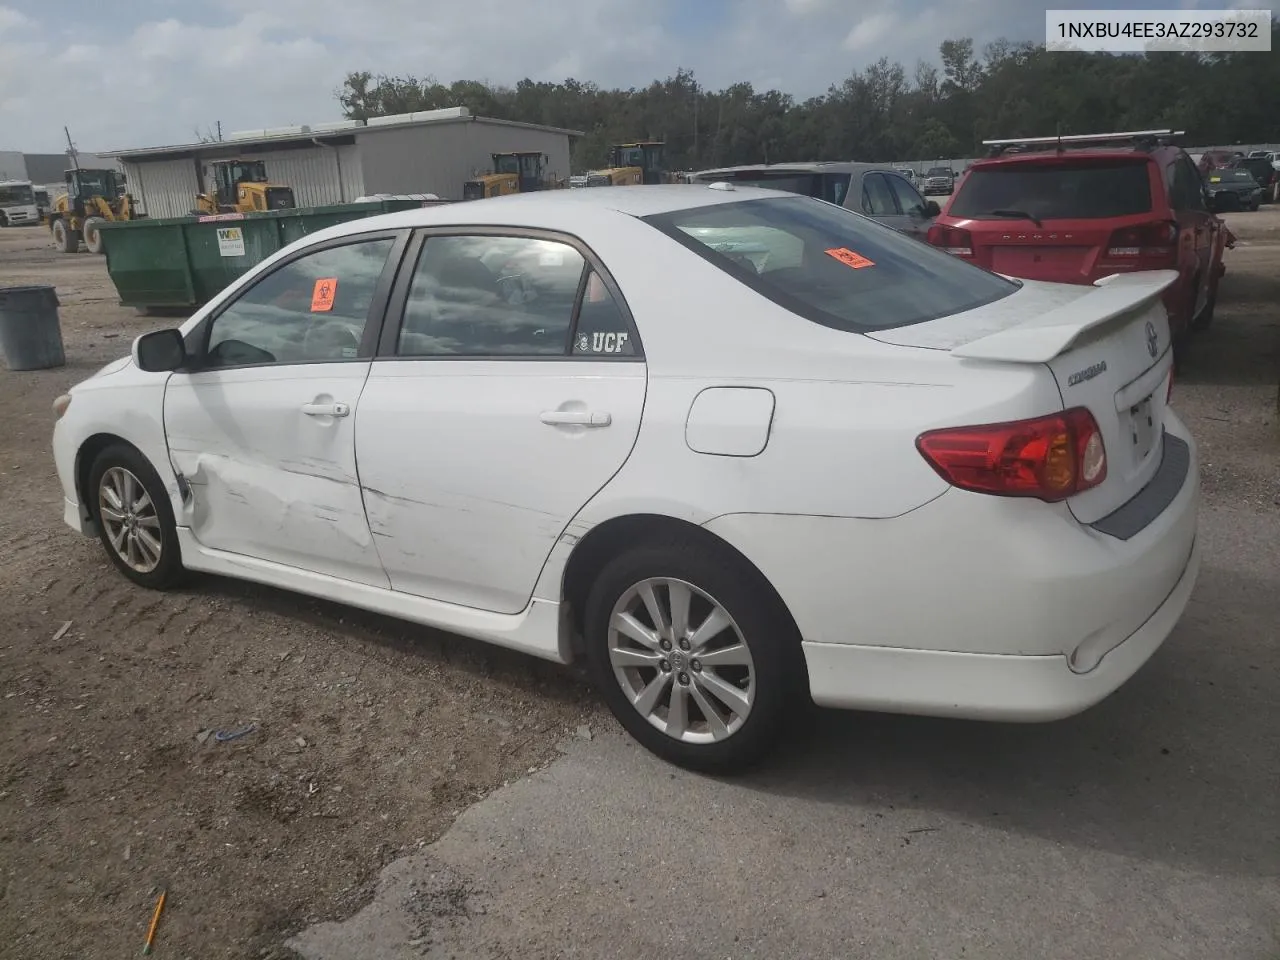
(1108, 348)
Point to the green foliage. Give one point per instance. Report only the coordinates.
(879, 113)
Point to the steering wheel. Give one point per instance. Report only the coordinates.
(329, 339)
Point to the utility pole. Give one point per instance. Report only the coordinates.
(219, 131)
(71, 149)
(695, 123)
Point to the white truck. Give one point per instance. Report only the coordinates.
(18, 203)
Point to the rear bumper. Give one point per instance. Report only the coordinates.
(978, 606)
(985, 686)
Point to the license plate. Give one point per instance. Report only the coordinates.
(1142, 429)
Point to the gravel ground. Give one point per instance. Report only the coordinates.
(372, 736)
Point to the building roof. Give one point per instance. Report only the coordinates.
(324, 133)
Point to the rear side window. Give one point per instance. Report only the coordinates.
(1053, 191)
(877, 198)
(832, 266)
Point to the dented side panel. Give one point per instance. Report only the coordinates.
(266, 479)
(472, 469)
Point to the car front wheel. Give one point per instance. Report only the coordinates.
(134, 516)
(693, 653)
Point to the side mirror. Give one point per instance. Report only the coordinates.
(160, 351)
(931, 208)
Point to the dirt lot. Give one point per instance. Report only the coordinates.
(371, 734)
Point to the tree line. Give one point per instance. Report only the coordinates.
(882, 112)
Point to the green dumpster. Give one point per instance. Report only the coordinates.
(186, 261)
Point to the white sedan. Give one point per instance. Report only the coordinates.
(731, 446)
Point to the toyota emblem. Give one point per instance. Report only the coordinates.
(1153, 339)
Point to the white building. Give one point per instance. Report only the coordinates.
(433, 151)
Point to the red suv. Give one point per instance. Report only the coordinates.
(1075, 209)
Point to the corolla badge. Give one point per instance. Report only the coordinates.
(1153, 339)
(1088, 373)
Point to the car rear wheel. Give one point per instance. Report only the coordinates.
(135, 519)
(693, 653)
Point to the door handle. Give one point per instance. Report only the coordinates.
(581, 418)
(325, 409)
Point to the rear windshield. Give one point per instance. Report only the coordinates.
(831, 187)
(830, 265)
(1055, 191)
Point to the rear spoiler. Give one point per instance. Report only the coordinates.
(1041, 339)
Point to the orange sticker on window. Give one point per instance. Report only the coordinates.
(850, 259)
(322, 294)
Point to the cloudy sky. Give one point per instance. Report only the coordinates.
(152, 72)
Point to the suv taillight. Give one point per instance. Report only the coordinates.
(1050, 458)
(954, 240)
(1150, 244)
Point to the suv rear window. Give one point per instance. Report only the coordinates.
(1056, 191)
(830, 265)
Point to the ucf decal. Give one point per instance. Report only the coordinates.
(603, 343)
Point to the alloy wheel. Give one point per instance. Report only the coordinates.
(681, 660)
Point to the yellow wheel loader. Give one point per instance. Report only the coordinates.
(512, 173)
(241, 186)
(92, 197)
(632, 164)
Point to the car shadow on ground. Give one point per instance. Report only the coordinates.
(1177, 766)
(1242, 346)
(423, 645)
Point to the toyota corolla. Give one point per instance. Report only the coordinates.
(732, 447)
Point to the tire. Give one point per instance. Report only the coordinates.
(767, 678)
(92, 235)
(4, 221)
(112, 473)
(64, 238)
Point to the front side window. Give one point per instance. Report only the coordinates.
(311, 310)
(486, 296)
(832, 266)
(877, 198)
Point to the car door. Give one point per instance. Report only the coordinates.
(507, 391)
(915, 221)
(261, 427)
(879, 203)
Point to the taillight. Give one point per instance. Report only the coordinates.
(954, 240)
(1050, 458)
(1146, 242)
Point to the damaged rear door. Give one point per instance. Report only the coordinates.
(262, 427)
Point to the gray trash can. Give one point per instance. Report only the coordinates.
(30, 334)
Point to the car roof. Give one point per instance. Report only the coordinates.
(1090, 153)
(557, 209)
(804, 166)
